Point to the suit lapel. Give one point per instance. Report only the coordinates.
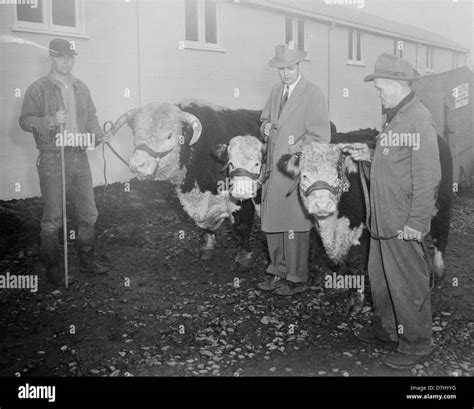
(293, 101)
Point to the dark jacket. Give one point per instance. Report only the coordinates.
(43, 99)
(404, 181)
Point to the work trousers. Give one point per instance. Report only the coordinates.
(399, 281)
(289, 255)
(78, 187)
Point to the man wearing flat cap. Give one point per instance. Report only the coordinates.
(295, 112)
(405, 174)
(60, 101)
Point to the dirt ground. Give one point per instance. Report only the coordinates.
(162, 312)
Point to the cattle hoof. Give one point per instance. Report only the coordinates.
(243, 260)
(206, 254)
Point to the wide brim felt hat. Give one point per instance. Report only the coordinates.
(392, 67)
(286, 56)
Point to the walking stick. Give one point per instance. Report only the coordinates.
(63, 180)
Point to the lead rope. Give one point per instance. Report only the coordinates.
(377, 237)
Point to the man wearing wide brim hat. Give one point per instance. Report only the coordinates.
(295, 112)
(405, 174)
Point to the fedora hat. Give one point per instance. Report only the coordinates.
(287, 55)
(394, 68)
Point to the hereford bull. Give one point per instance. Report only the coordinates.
(331, 190)
(175, 143)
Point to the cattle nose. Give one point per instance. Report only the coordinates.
(322, 208)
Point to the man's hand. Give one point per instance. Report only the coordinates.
(410, 234)
(61, 117)
(266, 129)
(358, 151)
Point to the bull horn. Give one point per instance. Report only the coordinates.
(126, 117)
(195, 123)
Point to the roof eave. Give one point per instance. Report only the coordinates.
(328, 19)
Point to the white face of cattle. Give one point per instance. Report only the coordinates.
(320, 169)
(245, 164)
(158, 137)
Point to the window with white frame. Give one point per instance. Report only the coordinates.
(354, 52)
(202, 24)
(429, 58)
(295, 31)
(65, 17)
(398, 46)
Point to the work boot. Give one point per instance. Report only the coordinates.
(88, 264)
(55, 275)
(368, 334)
(403, 361)
(289, 288)
(272, 282)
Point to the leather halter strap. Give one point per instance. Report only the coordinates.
(151, 152)
(321, 185)
(243, 172)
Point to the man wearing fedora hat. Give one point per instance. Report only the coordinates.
(295, 112)
(54, 102)
(404, 182)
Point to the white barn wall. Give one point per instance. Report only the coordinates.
(106, 63)
(110, 62)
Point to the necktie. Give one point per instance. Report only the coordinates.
(284, 99)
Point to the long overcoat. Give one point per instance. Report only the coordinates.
(304, 117)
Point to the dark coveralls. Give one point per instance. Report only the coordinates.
(404, 182)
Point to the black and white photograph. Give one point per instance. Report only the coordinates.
(236, 203)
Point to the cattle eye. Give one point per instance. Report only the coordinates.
(170, 135)
(231, 166)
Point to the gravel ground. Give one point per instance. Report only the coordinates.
(163, 312)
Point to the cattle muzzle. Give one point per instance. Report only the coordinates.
(321, 185)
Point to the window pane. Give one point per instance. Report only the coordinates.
(191, 20)
(64, 12)
(301, 43)
(210, 21)
(359, 47)
(350, 45)
(288, 30)
(26, 13)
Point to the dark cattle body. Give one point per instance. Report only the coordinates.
(219, 127)
(351, 204)
(175, 143)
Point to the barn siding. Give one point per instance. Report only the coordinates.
(108, 62)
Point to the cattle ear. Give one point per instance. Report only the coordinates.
(350, 165)
(220, 153)
(289, 164)
(187, 132)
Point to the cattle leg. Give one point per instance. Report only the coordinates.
(439, 234)
(243, 227)
(207, 247)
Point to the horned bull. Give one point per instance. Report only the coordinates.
(332, 191)
(175, 143)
